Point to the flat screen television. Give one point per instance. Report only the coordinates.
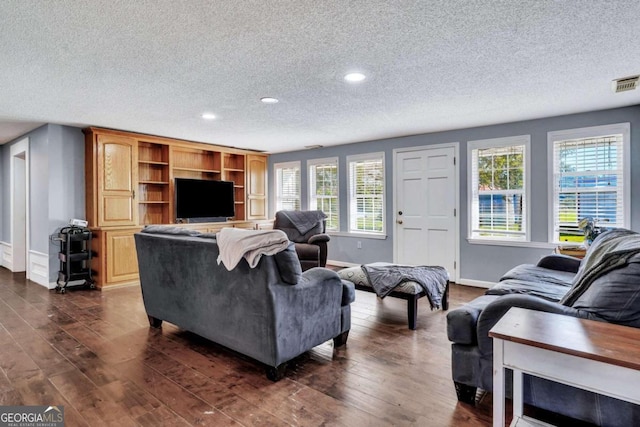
(199, 198)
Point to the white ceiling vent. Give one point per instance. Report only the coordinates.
(625, 84)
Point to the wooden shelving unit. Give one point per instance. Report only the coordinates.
(130, 180)
(153, 183)
(233, 169)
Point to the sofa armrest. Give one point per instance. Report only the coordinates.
(496, 309)
(318, 238)
(560, 262)
(308, 313)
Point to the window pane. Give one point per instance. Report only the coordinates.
(288, 187)
(498, 184)
(323, 181)
(366, 193)
(588, 177)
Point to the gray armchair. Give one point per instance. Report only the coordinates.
(307, 230)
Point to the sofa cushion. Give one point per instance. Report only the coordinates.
(307, 251)
(169, 229)
(289, 265)
(615, 296)
(462, 322)
(533, 273)
(549, 291)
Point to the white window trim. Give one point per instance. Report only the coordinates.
(285, 165)
(591, 132)
(368, 156)
(497, 143)
(324, 161)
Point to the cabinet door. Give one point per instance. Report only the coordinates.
(122, 259)
(257, 187)
(117, 180)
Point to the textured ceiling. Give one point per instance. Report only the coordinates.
(154, 66)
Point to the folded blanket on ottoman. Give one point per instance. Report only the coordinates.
(384, 278)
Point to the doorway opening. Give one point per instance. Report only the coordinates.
(19, 189)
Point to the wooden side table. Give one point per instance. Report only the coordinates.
(595, 356)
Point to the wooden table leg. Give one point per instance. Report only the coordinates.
(498, 384)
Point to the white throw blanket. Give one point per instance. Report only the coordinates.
(235, 243)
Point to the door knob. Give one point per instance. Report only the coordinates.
(399, 221)
(399, 212)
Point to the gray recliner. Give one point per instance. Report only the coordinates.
(307, 230)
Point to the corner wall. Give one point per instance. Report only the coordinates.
(56, 187)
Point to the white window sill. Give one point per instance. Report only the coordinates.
(514, 243)
(357, 235)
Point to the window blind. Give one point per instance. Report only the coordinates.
(366, 195)
(323, 191)
(588, 182)
(498, 202)
(288, 187)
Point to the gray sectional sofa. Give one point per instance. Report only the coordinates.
(271, 313)
(604, 286)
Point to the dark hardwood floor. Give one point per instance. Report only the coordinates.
(94, 353)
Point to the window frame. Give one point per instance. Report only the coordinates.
(623, 129)
(312, 186)
(278, 190)
(377, 156)
(526, 197)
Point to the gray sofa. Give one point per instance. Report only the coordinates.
(604, 286)
(271, 313)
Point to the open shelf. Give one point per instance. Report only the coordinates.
(196, 170)
(150, 162)
(154, 182)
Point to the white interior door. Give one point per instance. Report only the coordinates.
(426, 206)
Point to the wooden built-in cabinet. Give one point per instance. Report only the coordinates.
(111, 172)
(130, 183)
(256, 186)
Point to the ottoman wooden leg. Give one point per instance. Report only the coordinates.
(412, 311)
(445, 298)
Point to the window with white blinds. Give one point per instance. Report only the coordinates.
(366, 193)
(498, 183)
(323, 189)
(590, 179)
(287, 186)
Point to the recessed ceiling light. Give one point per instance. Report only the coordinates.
(269, 100)
(208, 116)
(355, 77)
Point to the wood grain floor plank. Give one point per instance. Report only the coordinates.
(95, 354)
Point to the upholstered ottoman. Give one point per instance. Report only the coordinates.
(409, 290)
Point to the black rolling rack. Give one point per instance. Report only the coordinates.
(75, 257)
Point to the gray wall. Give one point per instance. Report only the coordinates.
(3, 185)
(477, 262)
(66, 183)
(56, 179)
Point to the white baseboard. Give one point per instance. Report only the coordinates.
(341, 263)
(6, 255)
(476, 283)
(39, 269)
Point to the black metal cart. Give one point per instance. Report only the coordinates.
(75, 257)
